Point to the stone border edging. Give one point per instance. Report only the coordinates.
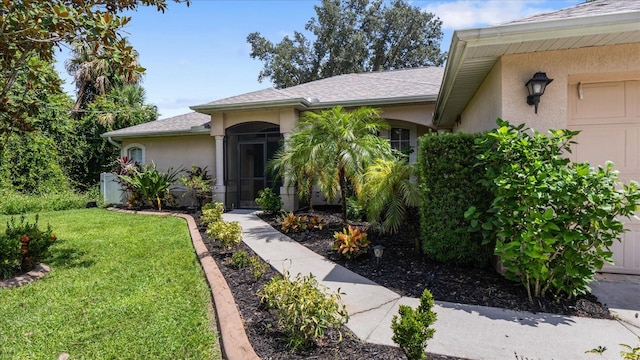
(38, 272)
(235, 343)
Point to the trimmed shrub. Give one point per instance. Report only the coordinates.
(304, 309)
(269, 201)
(211, 213)
(229, 234)
(450, 184)
(411, 327)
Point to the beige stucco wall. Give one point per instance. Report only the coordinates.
(174, 152)
(561, 65)
(486, 105)
(417, 114)
(286, 118)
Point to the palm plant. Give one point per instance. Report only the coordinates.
(151, 183)
(332, 149)
(388, 192)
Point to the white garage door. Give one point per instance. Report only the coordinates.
(608, 114)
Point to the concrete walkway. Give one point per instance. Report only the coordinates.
(468, 331)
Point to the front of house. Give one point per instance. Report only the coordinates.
(591, 51)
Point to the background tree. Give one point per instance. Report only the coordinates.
(352, 36)
(34, 29)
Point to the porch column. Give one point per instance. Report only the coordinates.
(219, 189)
(288, 195)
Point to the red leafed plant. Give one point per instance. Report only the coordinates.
(351, 242)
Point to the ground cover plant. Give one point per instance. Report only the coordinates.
(122, 286)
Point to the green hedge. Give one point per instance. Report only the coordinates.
(449, 186)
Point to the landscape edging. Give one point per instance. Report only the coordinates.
(235, 343)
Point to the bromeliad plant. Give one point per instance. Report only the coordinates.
(22, 246)
(553, 221)
(351, 242)
(151, 183)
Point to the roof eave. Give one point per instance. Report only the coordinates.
(156, 134)
(521, 32)
(421, 99)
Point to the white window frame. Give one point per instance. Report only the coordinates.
(128, 148)
(401, 140)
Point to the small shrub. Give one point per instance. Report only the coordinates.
(351, 242)
(22, 246)
(258, 267)
(198, 184)
(304, 309)
(315, 223)
(411, 329)
(355, 211)
(269, 201)
(228, 233)
(211, 213)
(239, 259)
(293, 223)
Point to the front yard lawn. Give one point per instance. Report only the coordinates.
(122, 286)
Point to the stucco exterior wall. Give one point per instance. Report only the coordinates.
(503, 92)
(559, 66)
(417, 114)
(486, 105)
(179, 151)
(285, 118)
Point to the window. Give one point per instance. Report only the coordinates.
(400, 139)
(135, 152)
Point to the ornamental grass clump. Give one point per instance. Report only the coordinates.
(23, 246)
(304, 308)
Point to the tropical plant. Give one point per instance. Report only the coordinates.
(229, 234)
(388, 192)
(293, 223)
(304, 308)
(239, 259)
(269, 201)
(151, 183)
(198, 184)
(258, 267)
(553, 221)
(351, 242)
(411, 328)
(332, 149)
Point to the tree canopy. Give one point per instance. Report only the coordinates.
(35, 29)
(352, 36)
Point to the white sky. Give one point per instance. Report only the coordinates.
(198, 54)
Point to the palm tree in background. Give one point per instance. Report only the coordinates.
(95, 75)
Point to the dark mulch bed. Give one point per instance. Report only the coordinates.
(402, 269)
(261, 325)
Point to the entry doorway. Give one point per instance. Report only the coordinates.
(249, 148)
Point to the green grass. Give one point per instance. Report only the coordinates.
(122, 286)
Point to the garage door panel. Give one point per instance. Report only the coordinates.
(608, 116)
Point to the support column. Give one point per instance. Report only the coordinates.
(219, 189)
(289, 194)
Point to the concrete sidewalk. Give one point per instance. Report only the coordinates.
(468, 331)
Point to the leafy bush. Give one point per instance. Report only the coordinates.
(351, 242)
(411, 329)
(211, 213)
(269, 201)
(22, 246)
(151, 183)
(449, 186)
(228, 233)
(554, 221)
(388, 193)
(258, 267)
(315, 223)
(355, 211)
(14, 203)
(198, 184)
(239, 259)
(304, 309)
(293, 223)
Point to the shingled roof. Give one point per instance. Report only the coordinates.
(190, 123)
(384, 87)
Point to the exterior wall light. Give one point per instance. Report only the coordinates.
(536, 86)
